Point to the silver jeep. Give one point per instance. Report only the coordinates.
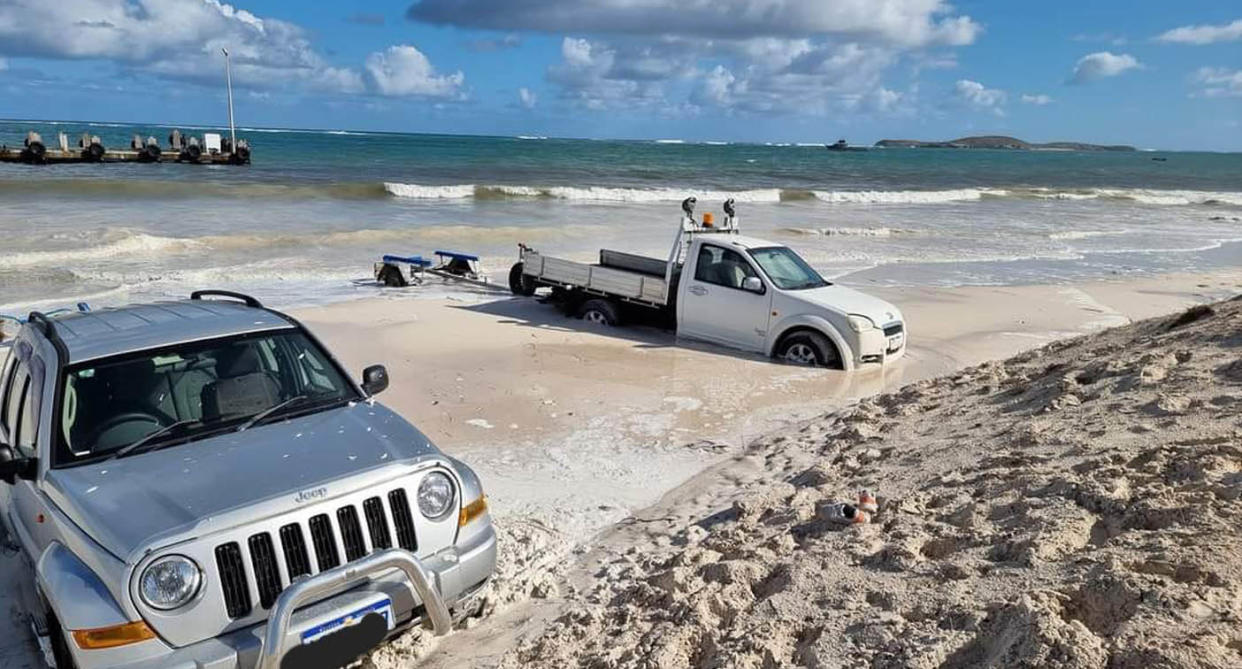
(199, 483)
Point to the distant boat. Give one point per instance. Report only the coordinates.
(1160, 160)
(841, 145)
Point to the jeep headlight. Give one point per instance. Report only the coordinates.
(435, 495)
(861, 323)
(169, 582)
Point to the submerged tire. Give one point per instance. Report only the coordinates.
(810, 349)
(391, 276)
(519, 283)
(600, 312)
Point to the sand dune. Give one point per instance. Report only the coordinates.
(1074, 506)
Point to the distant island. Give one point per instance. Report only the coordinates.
(998, 142)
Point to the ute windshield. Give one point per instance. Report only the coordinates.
(787, 269)
(135, 403)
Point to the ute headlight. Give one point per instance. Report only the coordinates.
(435, 495)
(861, 323)
(169, 582)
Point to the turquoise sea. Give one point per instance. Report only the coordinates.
(316, 207)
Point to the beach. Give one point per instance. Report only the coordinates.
(578, 431)
(603, 449)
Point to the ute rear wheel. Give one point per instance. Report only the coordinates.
(600, 312)
(519, 283)
(810, 349)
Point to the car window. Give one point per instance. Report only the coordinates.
(27, 421)
(722, 267)
(787, 269)
(203, 387)
(6, 389)
(13, 398)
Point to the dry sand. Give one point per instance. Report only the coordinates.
(1074, 506)
(575, 431)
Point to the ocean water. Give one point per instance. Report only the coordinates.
(316, 208)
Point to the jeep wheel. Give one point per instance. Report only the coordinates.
(810, 349)
(600, 312)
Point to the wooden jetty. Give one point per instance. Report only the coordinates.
(210, 149)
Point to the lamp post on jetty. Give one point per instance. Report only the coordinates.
(228, 78)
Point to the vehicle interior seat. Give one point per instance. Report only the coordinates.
(241, 386)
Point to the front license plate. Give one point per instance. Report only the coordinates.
(382, 607)
(896, 341)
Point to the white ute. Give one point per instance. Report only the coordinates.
(722, 287)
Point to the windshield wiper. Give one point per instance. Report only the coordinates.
(269, 411)
(148, 439)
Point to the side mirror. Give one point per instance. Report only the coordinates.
(753, 284)
(13, 468)
(374, 379)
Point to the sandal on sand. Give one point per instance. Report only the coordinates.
(867, 502)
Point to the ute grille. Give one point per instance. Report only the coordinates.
(334, 539)
(233, 579)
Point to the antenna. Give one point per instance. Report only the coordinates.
(228, 78)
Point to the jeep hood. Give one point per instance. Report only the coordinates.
(850, 301)
(130, 502)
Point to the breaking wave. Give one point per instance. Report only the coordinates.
(906, 196)
(123, 244)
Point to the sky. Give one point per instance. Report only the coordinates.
(1150, 73)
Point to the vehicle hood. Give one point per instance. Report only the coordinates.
(130, 503)
(850, 301)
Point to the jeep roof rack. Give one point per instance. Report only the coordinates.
(44, 323)
(250, 301)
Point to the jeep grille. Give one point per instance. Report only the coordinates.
(272, 569)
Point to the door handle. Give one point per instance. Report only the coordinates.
(698, 290)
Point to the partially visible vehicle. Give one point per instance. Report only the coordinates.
(199, 483)
(722, 287)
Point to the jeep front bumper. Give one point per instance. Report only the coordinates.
(422, 591)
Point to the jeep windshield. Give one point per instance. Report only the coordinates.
(136, 403)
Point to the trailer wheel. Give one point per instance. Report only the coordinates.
(391, 276)
(600, 312)
(519, 283)
(808, 348)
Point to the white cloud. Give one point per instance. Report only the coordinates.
(1102, 64)
(904, 22)
(1203, 34)
(527, 98)
(403, 70)
(1219, 82)
(4, 64)
(977, 95)
(1038, 100)
(181, 39)
(172, 38)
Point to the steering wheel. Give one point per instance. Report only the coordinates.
(98, 436)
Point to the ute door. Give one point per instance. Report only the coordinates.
(717, 304)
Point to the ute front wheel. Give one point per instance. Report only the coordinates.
(810, 349)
